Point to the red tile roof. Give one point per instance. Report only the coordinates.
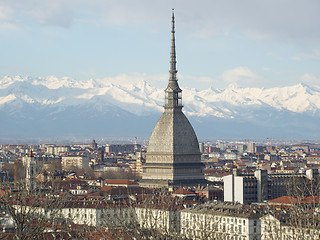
(120, 181)
(183, 191)
(295, 200)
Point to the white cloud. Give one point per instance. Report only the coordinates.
(310, 79)
(6, 17)
(239, 74)
(315, 54)
(296, 58)
(160, 80)
(123, 79)
(43, 12)
(56, 12)
(157, 80)
(196, 78)
(274, 55)
(259, 19)
(5, 12)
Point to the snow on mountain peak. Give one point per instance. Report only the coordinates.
(6, 81)
(142, 98)
(7, 99)
(53, 82)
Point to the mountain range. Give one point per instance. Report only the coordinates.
(52, 107)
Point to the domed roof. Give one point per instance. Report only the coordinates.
(173, 134)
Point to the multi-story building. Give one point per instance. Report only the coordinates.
(241, 148)
(251, 147)
(220, 221)
(282, 226)
(262, 186)
(56, 150)
(208, 221)
(122, 148)
(241, 189)
(74, 161)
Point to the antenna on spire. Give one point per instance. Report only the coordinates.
(173, 70)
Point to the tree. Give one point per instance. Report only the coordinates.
(298, 218)
(32, 211)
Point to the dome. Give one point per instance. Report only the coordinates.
(173, 134)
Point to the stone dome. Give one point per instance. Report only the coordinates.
(173, 134)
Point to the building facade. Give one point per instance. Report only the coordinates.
(212, 222)
(74, 162)
(240, 189)
(261, 186)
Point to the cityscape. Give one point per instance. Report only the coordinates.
(248, 192)
(86, 159)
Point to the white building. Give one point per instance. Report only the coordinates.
(164, 220)
(70, 162)
(56, 150)
(261, 186)
(240, 189)
(282, 227)
(219, 221)
(251, 147)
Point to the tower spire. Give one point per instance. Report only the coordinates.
(173, 70)
(173, 92)
(173, 158)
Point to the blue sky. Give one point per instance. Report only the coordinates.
(249, 43)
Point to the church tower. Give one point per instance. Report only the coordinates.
(31, 173)
(173, 158)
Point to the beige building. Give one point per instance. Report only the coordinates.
(219, 221)
(73, 162)
(251, 147)
(284, 227)
(56, 150)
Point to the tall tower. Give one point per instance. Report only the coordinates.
(173, 158)
(31, 173)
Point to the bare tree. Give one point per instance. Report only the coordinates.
(33, 211)
(299, 217)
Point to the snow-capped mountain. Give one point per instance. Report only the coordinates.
(51, 107)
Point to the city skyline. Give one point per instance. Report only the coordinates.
(249, 44)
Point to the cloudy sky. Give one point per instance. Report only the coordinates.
(250, 43)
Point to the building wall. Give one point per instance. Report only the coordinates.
(262, 186)
(272, 228)
(238, 189)
(228, 188)
(251, 147)
(69, 162)
(166, 221)
(196, 225)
